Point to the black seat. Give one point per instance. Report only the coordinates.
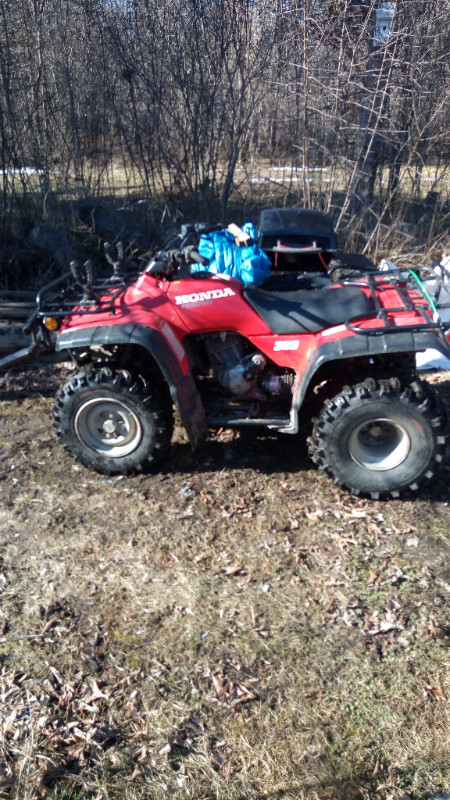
(296, 281)
(308, 312)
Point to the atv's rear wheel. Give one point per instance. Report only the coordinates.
(379, 437)
(112, 421)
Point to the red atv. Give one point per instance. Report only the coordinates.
(333, 354)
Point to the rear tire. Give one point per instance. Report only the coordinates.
(113, 421)
(380, 438)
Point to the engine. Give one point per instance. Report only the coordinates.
(242, 373)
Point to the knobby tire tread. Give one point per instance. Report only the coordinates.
(414, 394)
(124, 382)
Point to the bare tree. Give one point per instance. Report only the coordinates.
(173, 96)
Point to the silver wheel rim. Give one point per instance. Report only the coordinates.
(108, 427)
(379, 444)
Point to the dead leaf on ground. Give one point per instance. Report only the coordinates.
(434, 693)
(373, 625)
(137, 773)
(233, 569)
(435, 630)
(232, 694)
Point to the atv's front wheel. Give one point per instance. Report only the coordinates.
(379, 437)
(112, 421)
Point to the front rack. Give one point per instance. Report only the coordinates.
(65, 296)
(403, 287)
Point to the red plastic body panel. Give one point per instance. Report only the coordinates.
(216, 303)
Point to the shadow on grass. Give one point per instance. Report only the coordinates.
(256, 449)
(266, 453)
(10, 395)
(271, 454)
(28, 381)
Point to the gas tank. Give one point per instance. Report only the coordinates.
(215, 303)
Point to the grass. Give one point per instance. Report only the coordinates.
(232, 626)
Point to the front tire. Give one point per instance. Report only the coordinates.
(112, 421)
(380, 438)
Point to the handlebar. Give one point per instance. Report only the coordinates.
(178, 255)
(169, 263)
(192, 256)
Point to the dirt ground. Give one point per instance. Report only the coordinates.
(231, 626)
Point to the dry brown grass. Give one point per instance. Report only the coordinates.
(231, 627)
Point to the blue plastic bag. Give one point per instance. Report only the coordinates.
(247, 264)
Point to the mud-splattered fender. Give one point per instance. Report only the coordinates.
(168, 357)
(360, 346)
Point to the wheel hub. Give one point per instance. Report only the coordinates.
(379, 444)
(108, 427)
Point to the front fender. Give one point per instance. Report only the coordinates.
(182, 386)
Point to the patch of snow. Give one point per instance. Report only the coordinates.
(133, 205)
(432, 359)
(297, 169)
(22, 171)
(282, 180)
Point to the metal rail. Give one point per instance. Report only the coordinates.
(401, 285)
(64, 296)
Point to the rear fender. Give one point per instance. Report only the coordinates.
(167, 356)
(358, 346)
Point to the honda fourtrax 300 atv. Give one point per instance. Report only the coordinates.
(333, 353)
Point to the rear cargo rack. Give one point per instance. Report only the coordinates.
(402, 286)
(65, 296)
